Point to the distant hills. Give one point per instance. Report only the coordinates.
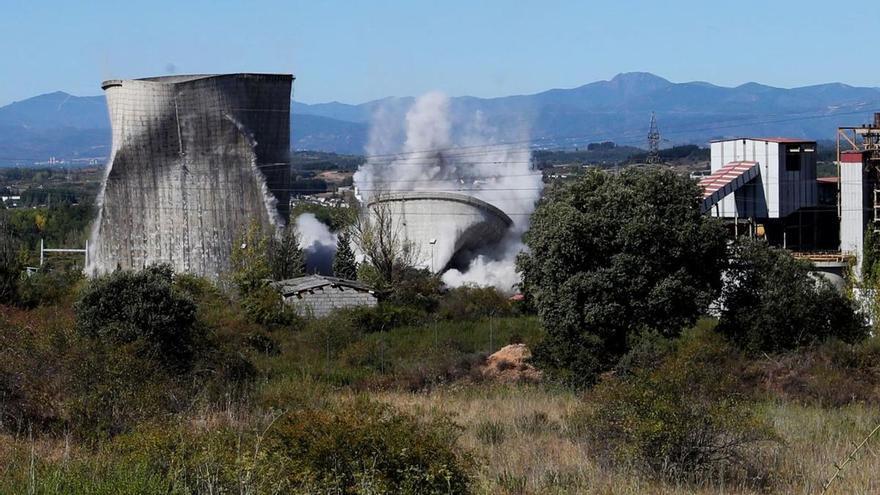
(65, 126)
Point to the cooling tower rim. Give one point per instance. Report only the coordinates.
(443, 196)
(185, 78)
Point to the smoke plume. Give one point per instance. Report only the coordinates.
(456, 151)
(317, 242)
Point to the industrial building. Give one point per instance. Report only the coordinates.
(444, 228)
(194, 160)
(768, 187)
(772, 183)
(858, 152)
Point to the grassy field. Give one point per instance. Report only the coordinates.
(519, 435)
(522, 437)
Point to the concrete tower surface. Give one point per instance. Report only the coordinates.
(442, 226)
(195, 159)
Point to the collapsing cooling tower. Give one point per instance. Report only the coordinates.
(195, 160)
(443, 227)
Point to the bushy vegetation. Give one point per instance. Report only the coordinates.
(257, 259)
(156, 382)
(687, 418)
(142, 310)
(358, 446)
(20, 234)
(772, 303)
(132, 348)
(832, 374)
(613, 256)
(367, 447)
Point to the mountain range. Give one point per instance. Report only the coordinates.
(69, 127)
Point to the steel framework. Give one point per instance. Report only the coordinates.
(653, 142)
(864, 139)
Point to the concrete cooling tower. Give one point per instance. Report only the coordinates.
(444, 227)
(195, 159)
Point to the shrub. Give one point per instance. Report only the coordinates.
(383, 317)
(265, 306)
(263, 343)
(34, 371)
(472, 303)
(142, 352)
(48, 287)
(491, 432)
(116, 387)
(831, 374)
(353, 447)
(365, 446)
(417, 289)
(771, 303)
(142, 310)
(686, 419)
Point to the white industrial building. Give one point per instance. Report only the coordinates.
(783, 175)
(859, 171)
(770, 185)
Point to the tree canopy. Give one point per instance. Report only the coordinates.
(143, 309)
(612, 256)
(344, 262)
(772, 303)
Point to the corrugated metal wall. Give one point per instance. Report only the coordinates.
(777, 192)
(853, 202)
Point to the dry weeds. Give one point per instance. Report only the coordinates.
(545, 460)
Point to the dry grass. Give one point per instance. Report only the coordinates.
(532, 452)
(538, 456)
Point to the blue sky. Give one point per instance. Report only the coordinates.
(361, 50)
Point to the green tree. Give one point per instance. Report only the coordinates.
(871, 258)
(257, 258)
(388, 256)
(612, 256)
(344, 263)
(286, 257)
(772, 303)
(250, 265)
(142, 310)
(10, 263)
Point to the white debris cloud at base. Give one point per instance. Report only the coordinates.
(451, 150)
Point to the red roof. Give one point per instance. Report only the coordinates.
(780, 140)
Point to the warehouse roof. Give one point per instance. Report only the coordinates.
(311, 282)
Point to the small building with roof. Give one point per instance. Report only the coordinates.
(318, 295)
